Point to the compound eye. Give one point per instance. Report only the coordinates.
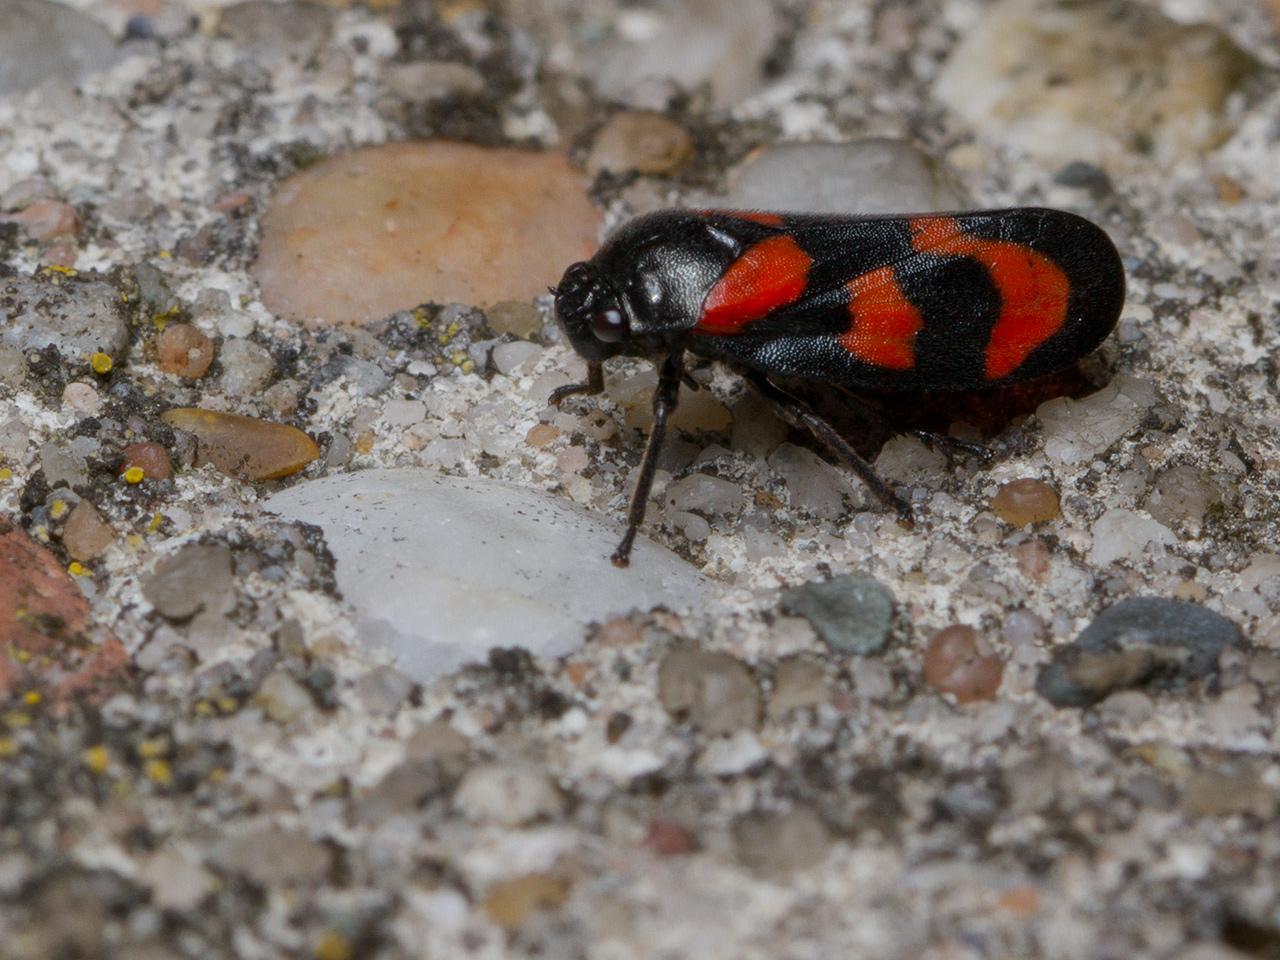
(609, 326)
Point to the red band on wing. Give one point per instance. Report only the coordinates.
(884, 322)
(755, 216)
(1033, 289)
(769, 275)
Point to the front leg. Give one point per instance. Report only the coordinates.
(665, 397)
(594, 385)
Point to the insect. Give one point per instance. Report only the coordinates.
(927, 303)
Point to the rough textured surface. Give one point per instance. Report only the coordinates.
(240, 773)
(494, 565)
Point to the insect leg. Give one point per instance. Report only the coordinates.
(665, 396)
(799, 414)
(951, 446)
(594, 385)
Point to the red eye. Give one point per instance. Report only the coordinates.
(609, 326)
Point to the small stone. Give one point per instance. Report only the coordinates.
(851, 614)
(82, 398)
(862, 176)
(430, 80)
(43, 621)
(1209, 793)
(799, 682)
(812, 484)
(714, 690)
(699, 42)
(541, 434)
(78, 315)
(47, 220)
(706, 494)
(1125, 535)
(176, 878)
(520, 318)
(757, 431)
(1022, 503)
(1033, 559)
(507, 794)
(642, 141)
(1182, 497)
(85, 534)
(954, 664)
(359, 236)
(365, 378)
(195, 578)
(283, 698)
(404, 413)
(510, 902)
(41, 40)
(271, 856)
(151, 458)
(384, 689)
(1034, 72)
(511, 358)
(268, 30)
(184, 351)
(1076, 431)
(1146, 641)
(778, 844)
(247, 368)
(243, 447)
(66, 463)
(907, 459)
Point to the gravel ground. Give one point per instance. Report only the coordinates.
(1039, 723)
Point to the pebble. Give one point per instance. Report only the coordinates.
(1022, 503)
(1034, 72)
(509, 903)
(43, 621)
(176, 878)
(798, 683)
(81, 398)
(1182, 497)
(520, 318)
(78, 315)
(715, 691)
(66, 463)
(907, 459)
(85, 534)
(812, 484)
(441, 569)
(41, 40)
(1076, 431)
(283, 698)
(712, 496)
(383, 689)
(195, 578)
(756, 429)
(247, 368)
(151, 458)
(1121, 534)
(243, 447)
(263, 29)
(851, 614)
(514, 357)
(861, 176)
(184, 351)
(359, 236)
(507, 794)
(642, 141)
(47, 220)
(270, 855)
(1145, 641)
(778, 844)
(430, 80)
(954, 663)
(404, 413)
(699, 42)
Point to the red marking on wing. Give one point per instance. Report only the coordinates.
(769, 275)
(1033, 289)
(884, 322)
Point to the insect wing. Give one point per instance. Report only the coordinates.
(932, 302)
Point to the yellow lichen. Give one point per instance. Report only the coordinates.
(159, 772)
(32, 698)
(58, 509)
(134, 475)
(97, 759)
(77, 569)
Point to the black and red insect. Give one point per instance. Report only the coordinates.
(892, 304)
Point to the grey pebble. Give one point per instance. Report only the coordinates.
(851, 614)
